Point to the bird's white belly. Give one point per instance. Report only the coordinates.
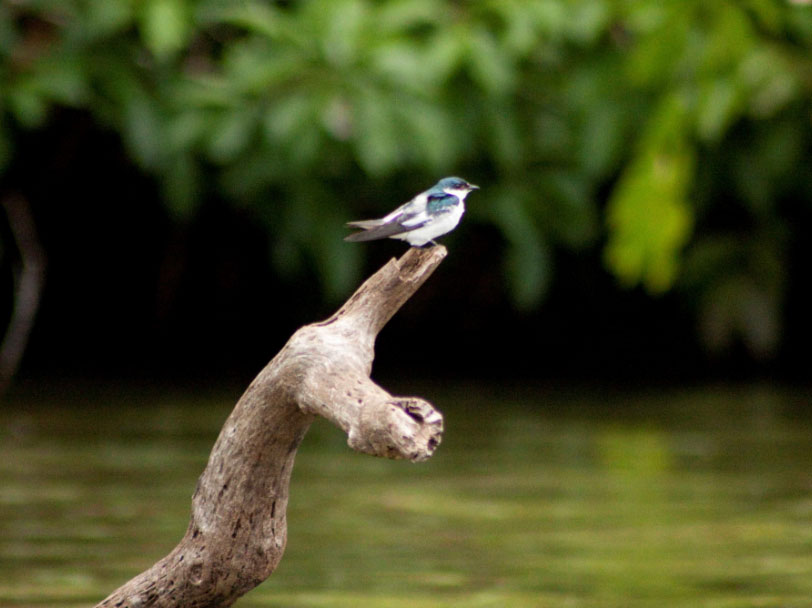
(438, 227)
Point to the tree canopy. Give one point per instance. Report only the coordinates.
(675, 136)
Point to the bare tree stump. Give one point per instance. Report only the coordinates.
(237, 532)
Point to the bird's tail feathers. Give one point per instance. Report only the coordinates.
(370, 230)
(365, 224)
(363, 236)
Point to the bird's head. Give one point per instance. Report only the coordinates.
(456, 186)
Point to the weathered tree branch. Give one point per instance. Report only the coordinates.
(237, 532)
(27, 289)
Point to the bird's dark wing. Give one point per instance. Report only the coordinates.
(383, 231)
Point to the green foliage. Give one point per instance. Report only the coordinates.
(649, 213)
(311, 112)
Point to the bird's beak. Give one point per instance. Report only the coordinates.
(473, 187)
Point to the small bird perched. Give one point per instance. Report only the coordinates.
(428, 215)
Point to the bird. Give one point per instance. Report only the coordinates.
(427, 216)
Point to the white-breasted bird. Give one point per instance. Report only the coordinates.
(427, 216)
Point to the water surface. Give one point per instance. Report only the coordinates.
(535, 498)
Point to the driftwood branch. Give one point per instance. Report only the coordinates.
(237, 532)
(27, 288)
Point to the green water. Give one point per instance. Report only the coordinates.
(535, 498)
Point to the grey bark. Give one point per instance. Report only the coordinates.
(27, 288)
(237, 531)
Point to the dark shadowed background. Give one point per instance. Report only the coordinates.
(645, 175)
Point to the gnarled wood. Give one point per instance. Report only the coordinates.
(237, 532)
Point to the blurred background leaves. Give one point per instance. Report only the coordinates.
(673, 138)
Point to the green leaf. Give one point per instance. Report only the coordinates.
(165, 26)
(181, 187)
(248, 180)
(251, 68)
(603, 135)
(403, 64)
(655, 56)
(549, 17)
(650, 219)
(489, 63)
(444, 53)
(186, 129)
(144, 128)
(401, 15)
(649, 216)
(719, 105)
(287, 117)
(528, 257)
(27, 104)
(428, 127)
(231, 134)
(521, 31)
(103, 18)
(338, 26)
(62, 79)
(568, 210)
(264, 19)
(504, 133)
(587, 19)
(378, 140)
